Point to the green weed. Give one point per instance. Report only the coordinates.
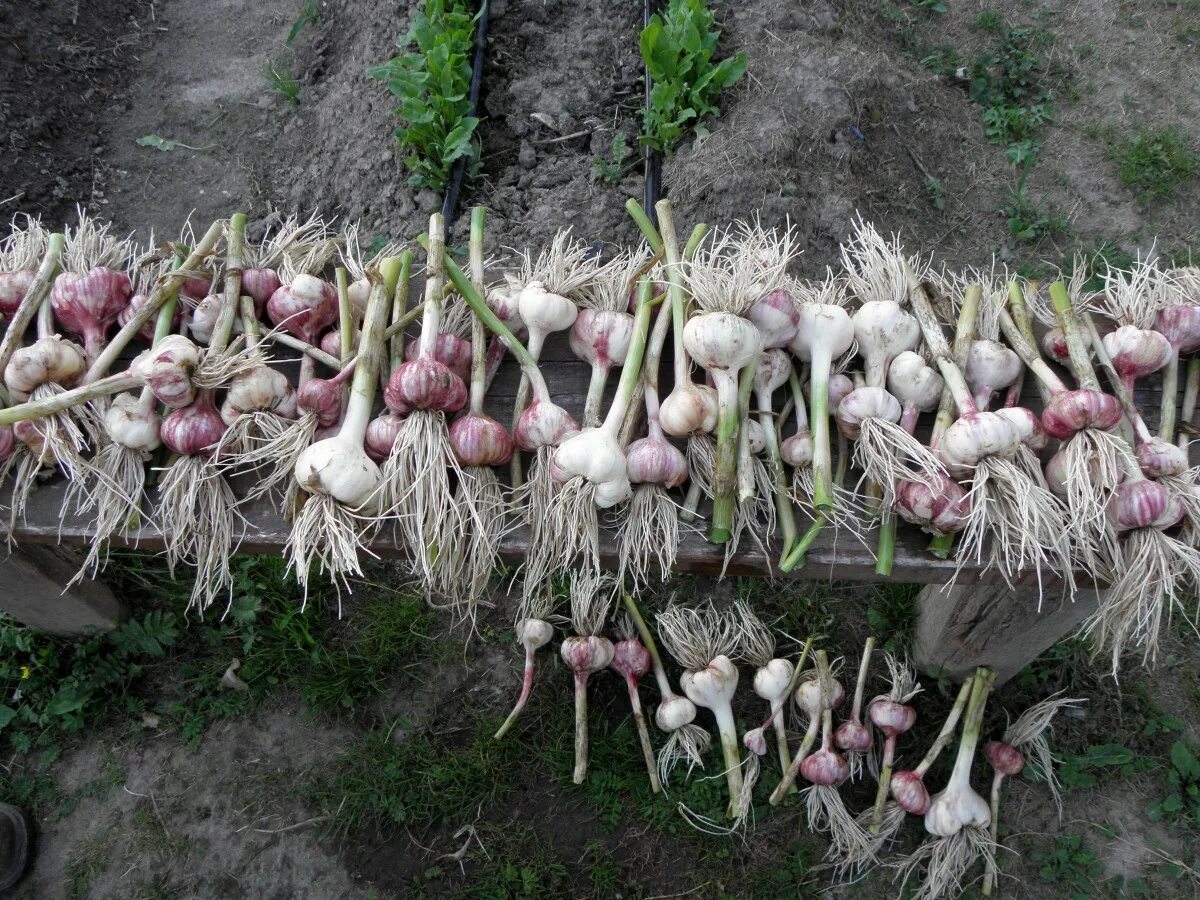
(1028, 220)
(1156, 162)
(678, 47)
(612, 170)
(1181, 804)
(282, 81)
(310, 14)
(937, 194)
(432, 79)
(1069, 865)
(89, 860)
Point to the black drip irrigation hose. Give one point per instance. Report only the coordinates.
(651, 159)
(454, 187)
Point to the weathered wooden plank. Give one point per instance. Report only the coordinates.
(969, 625)
(33, 590)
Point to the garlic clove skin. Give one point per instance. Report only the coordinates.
(712, 686)
(129, 425)
(841, 386)
(808, 696)
(450, 350)
(612, 493)
(755, 741)
(425, 383)
(1054, 345)
(721, 341)
(136, 302)
(825, 767)
(358, 292)
(866, 403)
(1072, 411)
(503, 300)
(853, 736)
(823, 325)
(543, 424)
(1137, 352)
(479, 441)
(601, 337)
(1157, 457)
(338, 468)
(13, 288)
(1140, 504)
(586, 654)
(757, 436)
(194, 430)
(204, 318)
(88, 304)
(771, 680)
(381, 435)
(1028, 425)
(797, 451)
(1180, 324)
(689, 409)
(45, 361)
(1005, 758)
(8, 443)
(883, 331)
(913, 382)
(304, 308)
(954, 808)
(543, 311)
(260, 284)
(943, 511)
(631, 658)
(772, 371)
(534, 634)
(775, 316)
(891, 717)
(910, 793)
(653, 460)
(674, 712)
(323, 398)
(973, 437)
(991, 367)
(331, 342)
(167, 370)
(260, 389)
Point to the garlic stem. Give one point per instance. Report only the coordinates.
(32, 302)
(939, 348)
(345, 313)
(783, 504)
(526, 690)
(885, 781)
(725, 464)
(822, 454)
(994, 831)
(1019, 311)
(643, 630)
(366, 372)
(746, 488)
(1170, 398)
(1191, 389)
(395, 334)
(478, 332)
(431, 322)
(649, 232)
(581, 727)
(235, 247)
(639, 719)
(666, 224)
(1120, 388)
(1029, 355)
(631, 370)
(1068, 321)
(947, 732)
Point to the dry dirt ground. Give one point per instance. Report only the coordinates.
(847, 107)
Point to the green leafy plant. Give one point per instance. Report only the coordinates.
(1155, 162)
(282, 81)
(1101, 762)
(1182, 802)
(611, 170)
(432, 81)
(678, 47)
(310, 14)
(1070, 865)
(937, 194)
(1028, 219)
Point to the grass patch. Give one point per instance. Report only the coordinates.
(282, 81)
(1155, 162)
(89, 860)
(382, 785)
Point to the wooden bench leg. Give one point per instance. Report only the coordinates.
(990, 625)
(32, 579)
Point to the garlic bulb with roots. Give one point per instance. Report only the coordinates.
(884, 451)
(958, 805)
(773, 676)
(991, 367)
(532, 634)
(775, 316)
(587, 650)
(337, 471)
(91, 291)
(45, 361)
(631, 660)
(702, 639)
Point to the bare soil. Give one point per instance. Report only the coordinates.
(833, 119)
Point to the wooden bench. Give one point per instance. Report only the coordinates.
(979, 621)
